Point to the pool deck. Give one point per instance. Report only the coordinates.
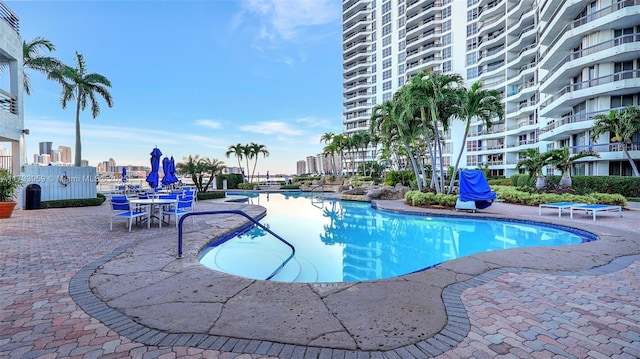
(72, 288)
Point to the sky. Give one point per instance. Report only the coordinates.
(191, 77)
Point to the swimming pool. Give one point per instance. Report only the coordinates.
(342, 241)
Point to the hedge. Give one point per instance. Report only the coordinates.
(76, 202)
(210, 195)
(233, 180)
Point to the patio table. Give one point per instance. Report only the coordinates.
(154, 203)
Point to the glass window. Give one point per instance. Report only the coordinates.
(386, 74)
(386, 30)
(386, 51)
(386, 86)
(386, 41)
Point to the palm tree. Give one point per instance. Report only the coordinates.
(341, 142)
(476, 103)
(533, 161)
(434, 94)
(254, 151)
(330, 150)
(238, 151)
(563, 160)
(34, 61)
(83, 87)
(197, 168)
(621, 125)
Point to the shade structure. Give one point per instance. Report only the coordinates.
(124, 174)
(153, 177)
(168, 178)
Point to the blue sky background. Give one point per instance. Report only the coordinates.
(192, 77)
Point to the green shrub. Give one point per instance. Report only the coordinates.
(500, 182)
(290, 186)
(395, 177)
(514, 195)
(76, 202)
(303, 179)
(210, 195)
(417, 198)
(247, 186)
(233, 180)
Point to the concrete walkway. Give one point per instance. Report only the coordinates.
(71, 288)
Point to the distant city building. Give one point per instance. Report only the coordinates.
(84, 163)
(64, 154)
(312, 166)
(301, 167)
(45, 148)
(42, 160)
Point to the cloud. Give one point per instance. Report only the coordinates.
(286, 19)
(208, 123)
(272, 127)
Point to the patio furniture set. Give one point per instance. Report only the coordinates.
(573, 206)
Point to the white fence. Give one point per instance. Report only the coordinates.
(58, 182)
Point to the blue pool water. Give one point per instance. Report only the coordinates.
(340, 241)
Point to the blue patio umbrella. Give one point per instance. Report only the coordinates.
(168, 178)
(173, 171)
(153, 177)
(124, 174)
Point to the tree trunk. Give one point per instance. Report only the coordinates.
(631, 161)
(78, 156)
(541, 181)
(566, 179)
(455, 168)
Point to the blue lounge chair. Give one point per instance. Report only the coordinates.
(475, 192)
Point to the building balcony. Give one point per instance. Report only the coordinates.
(423, 24)
(9, 18)
(493, 8)
(426, 9)
(623, 14)
(568, 125)
(618, 49)
(563, 100)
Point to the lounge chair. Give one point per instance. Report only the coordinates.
(594, 208)
(121, 208)
(475, 192)
(559, 205)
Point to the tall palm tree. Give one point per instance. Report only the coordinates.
(238, 151)
(255, 150)
(340, 142)
(473, 104)
(434, 94)
(330, 150)
(32, 59)
(82, 86)
(621, 125)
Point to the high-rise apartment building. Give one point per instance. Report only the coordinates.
(64, 155)
(45, 148)
(301, 167)
(556, 62)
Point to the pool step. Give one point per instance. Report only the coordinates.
(256, 260)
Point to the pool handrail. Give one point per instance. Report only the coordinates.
(241, 213)
(321, 201)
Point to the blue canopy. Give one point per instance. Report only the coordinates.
(474, 187)
(168, 178)
(153, 177)
(124, 174)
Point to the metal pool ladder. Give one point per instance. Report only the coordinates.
(317, 201)
(241, 213)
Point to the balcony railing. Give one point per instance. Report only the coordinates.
(8, 102)
(618, 76)
(5, 163)
(9, 17)
(579, 117)
(589, 18)
(626, 39)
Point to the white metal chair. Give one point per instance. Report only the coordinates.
(121, 208)
(182, 207)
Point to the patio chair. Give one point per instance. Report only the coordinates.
(182, 207)
(475, 192)
(121, 208)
